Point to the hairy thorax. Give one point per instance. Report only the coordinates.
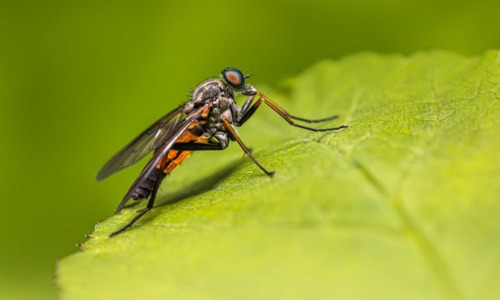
(215, 92)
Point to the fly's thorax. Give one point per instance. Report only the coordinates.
(210, 90)
(221, 109)
(213, 117)
(207, 91)
(227, 115)
(223, 103)
(220, 96)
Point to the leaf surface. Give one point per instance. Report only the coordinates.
(404, 204)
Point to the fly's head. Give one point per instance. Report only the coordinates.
(236, 81)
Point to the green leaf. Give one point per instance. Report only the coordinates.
(404, 204)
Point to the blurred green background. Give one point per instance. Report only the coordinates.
(78, 79)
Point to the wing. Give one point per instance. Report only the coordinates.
(151, 139)
(163, 150)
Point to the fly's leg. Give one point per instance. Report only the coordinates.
(151, 202)
(247, 103)
(250, 99)
(314, 120)
(289, 118)
(204, 147)
(198, 147)
(233, 133)
(221, 144)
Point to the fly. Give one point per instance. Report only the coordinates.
(205, 122)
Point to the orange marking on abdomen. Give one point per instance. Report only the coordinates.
(175, 157)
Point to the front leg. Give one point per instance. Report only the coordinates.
(251, 110)
(250, 91)
(246, 105)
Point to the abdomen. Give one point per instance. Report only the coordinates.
(167, 165)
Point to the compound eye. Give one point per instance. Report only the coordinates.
(234, 78)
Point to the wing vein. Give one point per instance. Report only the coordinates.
(150, 139)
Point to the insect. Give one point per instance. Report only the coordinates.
(206, 122)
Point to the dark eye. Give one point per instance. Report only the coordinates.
(234, 78)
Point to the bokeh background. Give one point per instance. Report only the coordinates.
(78, 79)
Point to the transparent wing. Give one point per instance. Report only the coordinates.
(151, 139)
(163, 151)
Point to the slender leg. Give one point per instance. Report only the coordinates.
(197, 147)
(151, 202)
(247, 103)
(243, 147)
(314, 121)
(284, 115)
